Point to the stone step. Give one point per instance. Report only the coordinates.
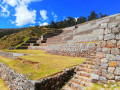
(66, 88)
(92, 60)
(74, 86)
(86, 66)
(80, 83)
(89, 62)
(84, 70)
(85, 74)
(81, 78)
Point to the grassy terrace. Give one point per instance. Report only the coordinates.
(40, 65)
(2, 85)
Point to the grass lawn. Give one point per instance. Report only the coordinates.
(95, 86)
(2, 85)
(40, 65)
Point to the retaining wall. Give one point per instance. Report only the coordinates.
(36, 47)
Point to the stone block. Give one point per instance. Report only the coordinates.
(117, 36)
(98, 62)
(112, 64)
(104, 72)
(106, 50)
(94, 77)
(104, 60)
(118, 44)
(100, 55)
(104, 65)
(104, 25)
(99, 49)
(109, 36)
(110, 57)
(111, 44)
(100, 37)
(115, 30)
(115, 51)
(102, 79)
(113, 24)
(111, 69)
(117, 71)
(110, 76)
(117, 78)
(107, 31)
(118, 64)
(112, 81)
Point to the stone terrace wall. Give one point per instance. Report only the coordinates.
(107, 67)
(74, 49)
(36, 47)
(15, 81)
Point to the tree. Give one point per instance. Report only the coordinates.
(101, 16)
(81, 20)
(93, 16)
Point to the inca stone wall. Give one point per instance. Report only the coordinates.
(107, 67)
(74, 49)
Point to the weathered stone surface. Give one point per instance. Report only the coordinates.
(111, 44)
(99, 49)
(112, 64)
(115, 30)
(117, 78)
(94, 76)
(117, 36)
(104, 60)
(112, 81)
(110, 76)
(102, 79)
(115, 51)
(107, 31)
(118, 44)
(100, 55)
(100, 37)
(118, 57)
(104, 65)
(109, 36)
(117, 71)
(111, 69)
(110, 57)
(98, 62)
(104, 25)
(104, 72)
(104, 43)
(113, 24)
(106, 50)
(118, 64)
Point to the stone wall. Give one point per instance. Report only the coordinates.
(15, 81)
(107, 67)
(36, 47)
(74, 49)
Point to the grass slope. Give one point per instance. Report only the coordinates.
(2, 85)
(40, 65)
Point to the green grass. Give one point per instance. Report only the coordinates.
(2, 85)
(96, 86)
(48, 64)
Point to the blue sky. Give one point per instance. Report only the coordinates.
(25, 13)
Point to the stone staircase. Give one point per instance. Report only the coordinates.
(82, 78)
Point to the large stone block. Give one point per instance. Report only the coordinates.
(111, 81)
(110, 57)
(110, 76)
(113, 24)
(117, 36)
(94, 77)
(117, 78)
(109, 36)
(112, 64)
(106, 50)
(100, 37)
(102, 79)
(107, 31)
(118, 64)
(104, 25)
(111, 69)
(104, 65)
(111, 44)
(115, 30)
(104, 60)
(117, 71)
(115, 51)
(100, 55)
(104, 72)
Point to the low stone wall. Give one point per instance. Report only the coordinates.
(107, 67)
(36, 47)
(12, 55)
(74, 49)
(15, 81)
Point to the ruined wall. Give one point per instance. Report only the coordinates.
(107, 67)
(74, 49)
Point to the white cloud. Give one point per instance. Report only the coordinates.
(4, 11)
(12, 21)
(54, 16)
(24, 16)
(44, 24)
(43, 14)
(76, 18)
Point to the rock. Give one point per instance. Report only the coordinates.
(106, 50)
(112, 81)
(110, 76)
(100, 37)
(117, 36)
(94, 77)
(102, 79)
(118, 57)
(115, 30)
(112, 64)
(117, 78)
(104, 25)
(118, 64)
(104, 60)
(118, 44)
(115, 51)
(117, 71)
(111, 69)
(107, 31)
(104, 65)
(104, 72)
(113, 24)
(110, 57)
(109, 37)
(111, 44)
